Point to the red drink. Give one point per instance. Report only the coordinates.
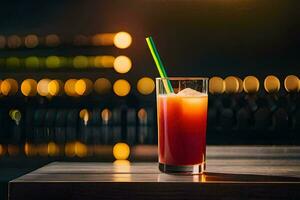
(182, 129)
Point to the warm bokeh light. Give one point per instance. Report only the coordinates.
(104, 61)
(81, 149)
(30, 149)
(42, 149)
(81, 40)
(52, 40)
(231, 84)
(14, 42)
(122, 40)
(53, 149)
(9, 87)
(216, 85)
(292, 83)
(70, 149)
(241, 88)
(121, 87)
(103, 39)
(142, 115)
(29, 87)
(84, 114)
(13, 62)
(2, 150)
(251, 84)
(83, 86)
(13, 150)
(122, 64)
(42, 87)
(145, 85)
(271, 84)
(102, 86)
(32, 62)
(106, 115)
(31, 41)
(80, 62)
(69, 87)
(55, 87)
(2, 42)
(53, 62)
(121, 151)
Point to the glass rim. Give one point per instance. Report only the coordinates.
(182, 78)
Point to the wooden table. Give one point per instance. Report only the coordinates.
(239, 172)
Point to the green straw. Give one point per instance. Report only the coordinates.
(159, 65)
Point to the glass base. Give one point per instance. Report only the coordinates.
(182, 169)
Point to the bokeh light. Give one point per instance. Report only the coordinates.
(81, 149)
(251, 84)
(103, 39)
(13, 150)
(142, 115)
(42, 149)
(15, 115)
(42, 87)
(292, 83)
(53, 149)
(31, 41)
(121, 87)
(29, 87)
(83, 86)
(69, 87)
(70, 149)
(121, 151)
(271, 84)
(30, 149)
(80, 62)
(14, 42)
(53, 62)
(122, 64)
(2, 42)
(106, 115)
(104, 61)
(81, 40)
(84, 115)
(32, 62)
(52, 40)
(145, 85)
(216, 85)
(241, 88)
(122, 40)
(231, 84)
(102, 86)
(9, 87)
(55, 87)
(2, 150)
(13, 62)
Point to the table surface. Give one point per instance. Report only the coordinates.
(261, 172)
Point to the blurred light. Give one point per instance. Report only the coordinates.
(53, 149)
(106, 115)
(70, 149)
(30, 149)
(240, 84)
(271, 84)
(83, 86)
(13, 150)
(103, 39)
(121, 87)
(142, 115)
(55, 87)
(52, 40)
(9, 87)
(13, 62)
(42, 87)
(14, 42)
(122, 169)
(32, 62)
(2, 42)
(121, 163)
(231, 84)
(84, 115)
(70, 87)
(122, 40)
(29, 87)
(2, 150)
(122, 64)
(81, 40)
(104, 61)
(80, 62)
(53, 62)
(102, 86)
(42, 149)
(15, 115)
(121, 151)
(80, 149)
(292, 83)
(31, 41)
(145, 85)
(251, 84)
(216, 85)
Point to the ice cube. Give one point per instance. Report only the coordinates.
(189, 92)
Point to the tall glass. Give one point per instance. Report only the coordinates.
(181, 118)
